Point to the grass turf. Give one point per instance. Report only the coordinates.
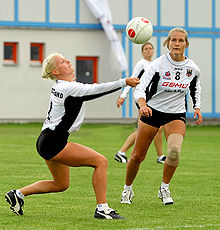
(195, 187)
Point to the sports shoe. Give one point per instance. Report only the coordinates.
(15, 202)
(120, 158)
(108, 213)
(161, 160)
(126, 197)
(164, 195)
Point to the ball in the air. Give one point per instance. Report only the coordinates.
(139, 30)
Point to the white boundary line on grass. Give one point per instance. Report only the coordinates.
(179, 227)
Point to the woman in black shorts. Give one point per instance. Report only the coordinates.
(65, 114)
(161, 97)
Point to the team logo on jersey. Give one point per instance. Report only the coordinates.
(175, 85)
(167, 76)
(188, 72)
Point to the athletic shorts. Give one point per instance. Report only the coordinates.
(159, 118)
(51, 142)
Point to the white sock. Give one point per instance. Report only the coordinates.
(128, 187)
(19, 194)
(122, 153)
(102, 207)
(164, 185)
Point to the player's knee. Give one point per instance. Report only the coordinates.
(137, 158)
(173, 155)
(174, 143)
(63, 186)
(103, 162)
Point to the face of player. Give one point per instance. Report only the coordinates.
(148, 52)
(177, 45)
(64, 69)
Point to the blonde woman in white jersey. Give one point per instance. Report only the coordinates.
(66, 113)
(161, 96)
(147, 50)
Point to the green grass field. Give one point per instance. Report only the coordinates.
(195, 187)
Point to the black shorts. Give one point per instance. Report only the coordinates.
(159, 118)
(51, 142)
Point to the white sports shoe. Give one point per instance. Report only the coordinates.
(126, 197)
(108, 213)
(120, 158)
(161, 160)
(164, 195)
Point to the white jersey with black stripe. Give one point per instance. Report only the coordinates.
(66, 108)
(143, 64)
(165, 83)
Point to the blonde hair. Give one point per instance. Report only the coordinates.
(176, 29)
(48, 65)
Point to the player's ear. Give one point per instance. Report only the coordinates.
(54, 72)
(187, 44)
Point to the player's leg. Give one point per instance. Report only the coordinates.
(129, 142)
(174, 132)
(120, 156)
(77, 155)
(159, 146)
(145, 135)
(72, 155)
(60, 183)
(158, 142)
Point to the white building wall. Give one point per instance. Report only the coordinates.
(200, 13)
(26, 95)
(119, 10)
(217, 15)
(147, 9)
(7, 10)
(217, 82)
(172, 12)
(59, 13)
(31, 10)
(85, 14)
(204, 60)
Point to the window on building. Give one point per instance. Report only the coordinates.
(10, 52)
(86, 69)
(37, 53)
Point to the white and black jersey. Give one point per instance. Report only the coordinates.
(165, 83)
(138, 71)
(66, 109)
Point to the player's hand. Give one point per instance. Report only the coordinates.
(199, 114)
(146, 111)
(132, 81)
(120, 101)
